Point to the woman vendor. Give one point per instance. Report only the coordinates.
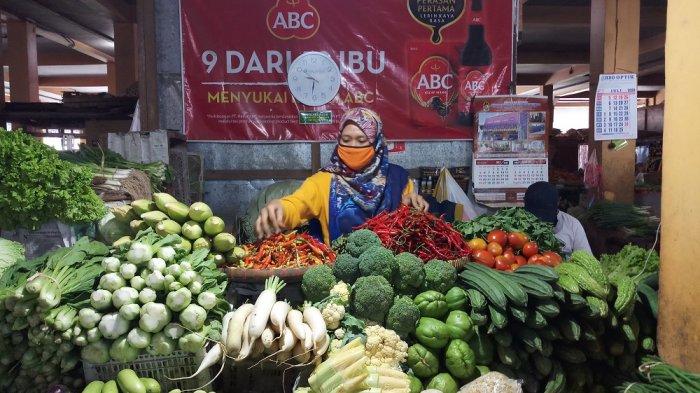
(358, 184)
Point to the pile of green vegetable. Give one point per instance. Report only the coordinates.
(39, 300)
(36, 186)
(10, 253)
(512, 219)
(196, 224)
(632, 261)
(152, 297)
(659, 377)
(99, 160)
(635, 220)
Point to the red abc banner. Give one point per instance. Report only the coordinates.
(418, 63)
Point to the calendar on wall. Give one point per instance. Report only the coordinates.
(510, 147)
(616, 107)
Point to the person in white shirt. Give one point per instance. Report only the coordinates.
(542, 199)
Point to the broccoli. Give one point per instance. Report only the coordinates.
(402, 316)
(346, 268)
(371, 298)
(360, 241)
(409, 274)
(439, 276)
(378, 261)
(316, 283)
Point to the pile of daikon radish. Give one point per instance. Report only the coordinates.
(272, 328)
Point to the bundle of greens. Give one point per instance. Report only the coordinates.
(39, 303)
(512, 219)
(10, 253)
(660, 377)
(36, 186)
(632, 261)
(635, 220)
(106, 161)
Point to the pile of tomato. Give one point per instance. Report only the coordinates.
(508, 251)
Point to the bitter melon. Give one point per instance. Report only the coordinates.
(570, 329)
(508, 356)
(626, 290)
(592, 266)
(476, 299)
(598, 307)
(503, 338)
(536, 320)
(568, 284)
(498, 317)
(518, 313)
(478, 318)
(583, 279)
(542, 364)
(547, 307)
(570, 354)
(557, 380)
(529, 338)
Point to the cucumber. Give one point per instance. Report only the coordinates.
(533, 286)
(94, 387)
(570, 329)
(547, 307)
(503, 338)
(518, 313)
(487, 286)
(542, 272)
(110, 387)
(498, 317)
(535, 320)
(476, 299)
(529, 338)
(129, 382)
(508, 356)
(550, 333)
(513, 291)
(557, 380)
(547, 348)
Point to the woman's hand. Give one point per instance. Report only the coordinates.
(270, 220)
(416, 201)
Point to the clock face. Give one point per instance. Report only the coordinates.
(313, 78)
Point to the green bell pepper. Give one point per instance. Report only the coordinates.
(432, 333)
(422, 362)
(460, 325)
(456, 298)
(444, 383)
(431, 304)
(459, 359)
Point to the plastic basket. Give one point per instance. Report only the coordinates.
(249, 377)
(161, 368)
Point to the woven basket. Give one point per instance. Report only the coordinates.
(460, 263)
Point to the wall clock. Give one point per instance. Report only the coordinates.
(313, 78)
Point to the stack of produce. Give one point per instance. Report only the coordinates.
(36, 186)
(509, 251)
(105, 162)
(419, 233)
(152, 298)
(290, 250)
(513, 220)
(634, 220)
(659, 377)
(40, 302)
(197, 225)
(443, 337)
(126, 381)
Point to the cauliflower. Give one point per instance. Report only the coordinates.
(332, 314)
(339, 333)
(384, 348)
(335, 345)
(342, 291)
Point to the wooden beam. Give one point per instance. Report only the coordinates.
(65, 57)
(658, 79)
(125, 58)
(548, 91)
(73, 80)
(22, 58)
(120, 10)
(543, 16)
(147, 76)
(111, 79)
(532, 79)
(565, 91)
(567, 73)
(75, 45)
(552, 53)
(652, 44)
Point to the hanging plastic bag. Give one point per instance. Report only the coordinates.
(591, 172)
(447, 189)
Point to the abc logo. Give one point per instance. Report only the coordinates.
(435, 81)
(293, 19)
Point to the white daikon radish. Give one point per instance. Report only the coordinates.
(247, 344)
(267, 337)
(278, 315)
(234, 336)
(308, 338)
(287, 340)
(263, 306)
(257, 349)
(295, 321)
(322, 347)
(300, 354)
(313, 317)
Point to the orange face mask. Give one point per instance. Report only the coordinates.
(356, 158)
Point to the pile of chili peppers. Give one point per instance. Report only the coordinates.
(422, 234)
(291, 250)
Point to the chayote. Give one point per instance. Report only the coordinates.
(459, 325)
(431, 304)
(432, 333)
(456, 298)
(422, 361)
(459, 359)
(444, 383)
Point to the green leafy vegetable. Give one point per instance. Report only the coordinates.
(632, 262)
(10, 253)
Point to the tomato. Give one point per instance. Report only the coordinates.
(483, 257)
(497, 236)
(530, 249)
(494, 248)
(555, 259)
(520, 260)
(535, 260)
(510, 257)
(517, 240)
(477, 244)
(502, 263)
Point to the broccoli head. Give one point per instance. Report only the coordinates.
(371, 298)
(402, 316)
(378, 261)
(360, 241)
(439, 276)
(409, 274)
(346, 268)
(316, 283)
